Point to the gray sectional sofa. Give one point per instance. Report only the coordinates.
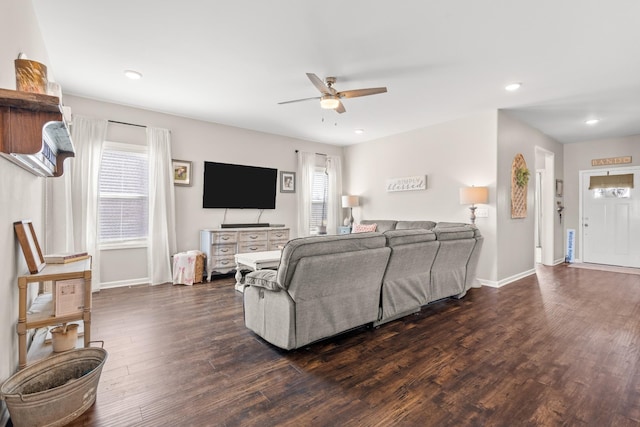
(329, 284)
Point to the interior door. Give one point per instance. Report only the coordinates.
(611, 222)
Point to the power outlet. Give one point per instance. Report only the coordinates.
(482, 213)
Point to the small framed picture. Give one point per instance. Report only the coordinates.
(30, 246)
(559, 188)
(182, 172)
(287, 182)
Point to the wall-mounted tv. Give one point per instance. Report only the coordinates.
(239, 187)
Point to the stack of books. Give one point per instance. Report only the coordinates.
(65, 258)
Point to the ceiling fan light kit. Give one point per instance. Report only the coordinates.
(330, 99)
(329, 102)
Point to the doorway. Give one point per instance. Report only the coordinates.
(609, 224)
(544, 206)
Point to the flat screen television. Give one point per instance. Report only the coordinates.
(239, 187)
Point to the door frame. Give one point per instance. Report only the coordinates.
(546, 167)
(581, 173)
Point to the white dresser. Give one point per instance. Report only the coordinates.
(221, 244)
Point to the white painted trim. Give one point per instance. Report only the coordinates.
(123, 283)
(548, 193)
(558, 261)
(503, 282)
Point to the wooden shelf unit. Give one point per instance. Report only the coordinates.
(46, 312)
(23, 117)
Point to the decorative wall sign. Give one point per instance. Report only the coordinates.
(611, 161)
(407, 183)
(519, 183)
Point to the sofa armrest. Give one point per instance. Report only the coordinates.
(266, 279)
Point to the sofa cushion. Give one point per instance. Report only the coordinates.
(455, 233)
(444, 224)
(364, 228)
(404, 237)
(382, 225)
(263, 279)
(404, 225)
(296, 249)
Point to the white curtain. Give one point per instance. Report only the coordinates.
(307, 163)
(162, 223)
(334, 195)
(306, 167)
(72, 201)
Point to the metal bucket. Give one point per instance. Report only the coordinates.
(56, 390)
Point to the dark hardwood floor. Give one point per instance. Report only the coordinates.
(559, 348)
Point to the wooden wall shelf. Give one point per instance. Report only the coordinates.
(33, 133)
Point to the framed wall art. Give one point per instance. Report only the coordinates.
(287, 182)
(30, 246)
(182, 172)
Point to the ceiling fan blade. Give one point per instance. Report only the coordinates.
(318, 83)
(361, 92)
(298, 100)
(340, 109)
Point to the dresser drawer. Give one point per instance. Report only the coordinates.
(223, 263)
(277, 244)
(218, 237)
(223, 250)
(279, 235)
(252, 247)
(252, 236)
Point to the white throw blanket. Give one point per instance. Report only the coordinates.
(184, 267)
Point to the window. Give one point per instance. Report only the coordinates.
(123, 207)
(319, 195)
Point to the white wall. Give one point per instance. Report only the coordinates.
(516, 236)
(21, 193)
(454, 154)
(198, 141)
(578, 158)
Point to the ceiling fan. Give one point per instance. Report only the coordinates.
(330, 98)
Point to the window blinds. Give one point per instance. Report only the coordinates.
(123, 204)
(611, 181)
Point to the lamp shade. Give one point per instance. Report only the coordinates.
(350, 201)
(474, 195)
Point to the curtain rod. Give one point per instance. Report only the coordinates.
(124, 123)
(317, 154)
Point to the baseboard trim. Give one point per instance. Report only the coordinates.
(503, 282)
(122, 283)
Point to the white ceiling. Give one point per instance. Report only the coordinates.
(232, 61)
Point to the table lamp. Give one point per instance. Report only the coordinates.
(350, 202)
(472, 196)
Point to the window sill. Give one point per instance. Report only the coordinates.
(123, 245)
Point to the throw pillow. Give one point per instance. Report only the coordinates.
(363, 228)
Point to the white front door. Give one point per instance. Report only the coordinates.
(611, 222)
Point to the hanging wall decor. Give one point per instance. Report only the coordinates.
(519, 181)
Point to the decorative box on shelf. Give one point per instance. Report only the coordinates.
(344, 230)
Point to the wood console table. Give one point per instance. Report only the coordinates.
(46, 313)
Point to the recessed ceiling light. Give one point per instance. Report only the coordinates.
(513, 87)
(359, 131)
(133, 75)
(592, 122)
